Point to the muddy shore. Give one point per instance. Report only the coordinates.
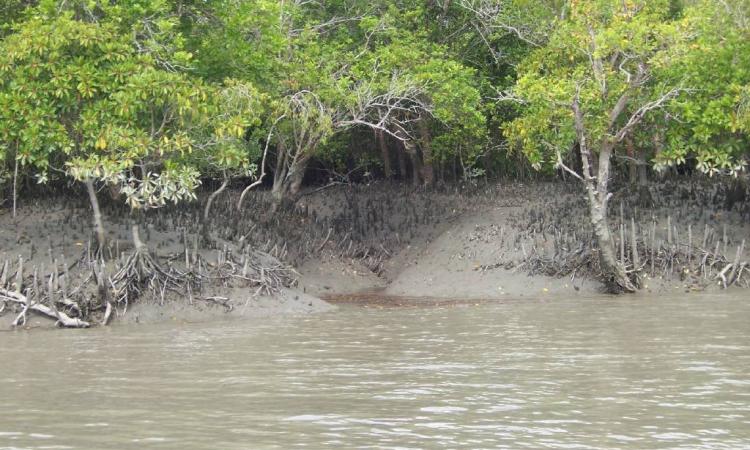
(460, 243)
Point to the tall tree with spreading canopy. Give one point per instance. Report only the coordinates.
(588, 89)
(82, 97)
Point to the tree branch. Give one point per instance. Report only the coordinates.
(262, 165)
(641, 112)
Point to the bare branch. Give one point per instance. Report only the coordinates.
(588, 178)
(493, 15)
(262, 165)
(562, 165)
(390, 112)
(508, 96)
(641, 112)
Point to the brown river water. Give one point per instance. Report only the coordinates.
(632, 372)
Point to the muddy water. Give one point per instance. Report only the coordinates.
(668, 372)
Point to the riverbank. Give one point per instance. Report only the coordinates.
(533, 240)
(469, 243)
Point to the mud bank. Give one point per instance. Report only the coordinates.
(533, 240)
(289, 302)
(465, 243)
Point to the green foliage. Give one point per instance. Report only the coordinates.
(715, 122)
(602, 55)
(449, 89)
(642, 52)
(154, 95)
(55, 75)
(458, 107)
(241, 39)
(80, 97)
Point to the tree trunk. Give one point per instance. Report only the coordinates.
(658, 142)
(296, 178)
(279, 178)
(98, 224)
(613, 271)
(135, 232)
(287, 183)
(416, 164)
(616, 278)
(385, 155)
(632, 161)
(428, 170)
(213, 196)
(281, 168)
(642, 173)
(402, 165)
(15, 184)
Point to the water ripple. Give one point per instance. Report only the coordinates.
(577, 374)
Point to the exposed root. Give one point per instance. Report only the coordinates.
(559, 246)
(251, 268)
(253, 253)
(104, 291)
(141, 273)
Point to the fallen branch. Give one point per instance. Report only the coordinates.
(62, 318)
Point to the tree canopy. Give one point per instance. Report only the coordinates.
(154, 97)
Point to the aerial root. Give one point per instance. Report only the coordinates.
(690, 263)
(141, 272)
(253, 269)
(102, 289)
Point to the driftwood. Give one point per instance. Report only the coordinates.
(62, 318)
